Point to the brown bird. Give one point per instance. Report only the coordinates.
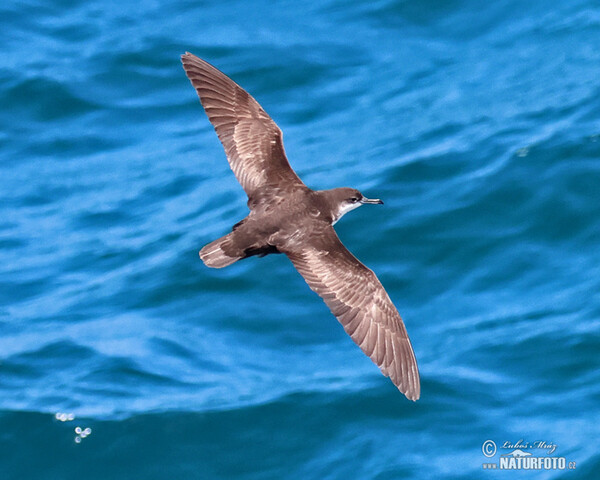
(288, 217)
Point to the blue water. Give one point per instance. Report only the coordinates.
(478, 124)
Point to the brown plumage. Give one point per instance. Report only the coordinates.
(288, 217)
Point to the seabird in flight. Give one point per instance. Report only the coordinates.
(288, 217)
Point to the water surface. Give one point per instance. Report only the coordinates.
(478, 125)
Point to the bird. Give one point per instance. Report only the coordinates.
(287, 217)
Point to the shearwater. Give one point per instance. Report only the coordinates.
(288, 217)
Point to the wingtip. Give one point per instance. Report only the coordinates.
(412, 388)
(186, 55)
(415, 391)
(409, 393)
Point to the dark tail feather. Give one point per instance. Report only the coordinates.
(213, 255)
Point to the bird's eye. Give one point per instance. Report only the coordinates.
(354, 199)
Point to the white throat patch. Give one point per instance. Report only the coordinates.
(344, 209)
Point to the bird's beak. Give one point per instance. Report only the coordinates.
(373, 201)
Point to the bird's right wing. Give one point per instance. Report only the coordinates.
(252, 140)
(358, 300)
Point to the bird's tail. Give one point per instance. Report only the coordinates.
(213, 255)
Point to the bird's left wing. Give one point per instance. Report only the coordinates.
(358, 300)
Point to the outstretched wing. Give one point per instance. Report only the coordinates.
(358, 300)
(252, 140)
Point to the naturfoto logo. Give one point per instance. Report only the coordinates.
(521, 456)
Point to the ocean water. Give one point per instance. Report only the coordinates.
(477, 123)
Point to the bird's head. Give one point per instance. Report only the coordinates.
(346, 199)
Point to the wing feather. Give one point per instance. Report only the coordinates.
(252, 141)
(358, 300)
